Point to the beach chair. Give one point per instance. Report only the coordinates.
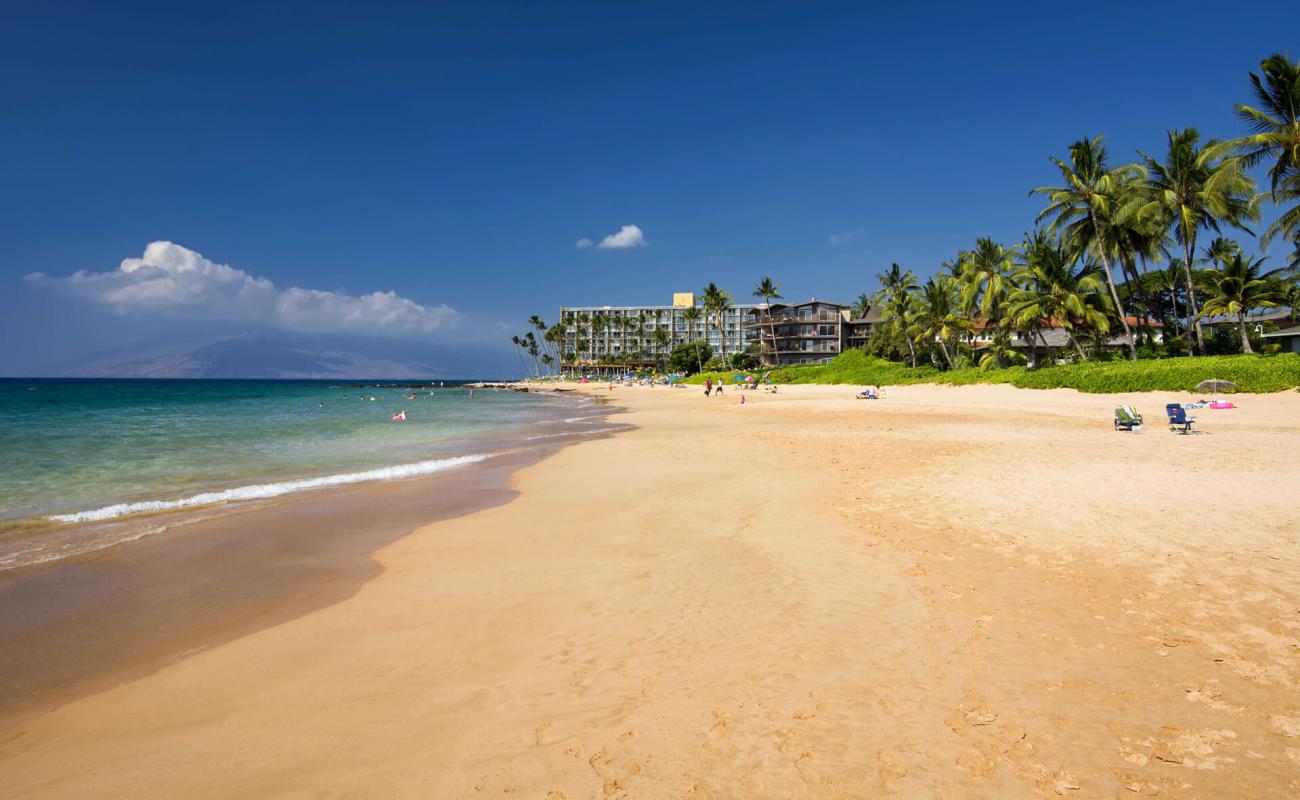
(1179, 422)
(1126, 419)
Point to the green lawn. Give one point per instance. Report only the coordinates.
(1250, 373)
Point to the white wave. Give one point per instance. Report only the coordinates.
(581, 433)
(265, 490)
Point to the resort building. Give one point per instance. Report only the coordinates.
(1273, 327)
(857, 330)
(632, 336)
(812, 332)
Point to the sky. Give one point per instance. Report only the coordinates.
(419, 178)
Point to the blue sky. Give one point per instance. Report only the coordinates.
(453, 154)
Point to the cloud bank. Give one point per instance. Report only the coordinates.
(171, 279)
(843, 237)
(627, 236)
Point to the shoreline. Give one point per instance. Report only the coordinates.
(955, 591)
(85, 623)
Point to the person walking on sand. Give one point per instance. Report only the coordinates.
(708, 386)
(717, 392)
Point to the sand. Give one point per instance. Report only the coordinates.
(954, 592)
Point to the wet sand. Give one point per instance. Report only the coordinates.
(73, 628)
(954, 592)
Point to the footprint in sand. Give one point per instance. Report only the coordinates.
(539, 733)
(889, 766)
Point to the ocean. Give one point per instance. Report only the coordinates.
(88, 464)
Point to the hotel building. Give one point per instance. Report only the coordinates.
(813, 332)
(626, 335)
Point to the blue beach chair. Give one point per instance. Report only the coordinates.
(1179, 422)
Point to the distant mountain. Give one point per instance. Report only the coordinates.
(268, 356)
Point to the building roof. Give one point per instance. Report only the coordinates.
(873, 315)
(981, 324)
(813, 301)
(738, 306)
(1284, 333)
(1266, 316)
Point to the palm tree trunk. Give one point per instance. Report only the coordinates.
(1245, 337)
(1173, 301)
(946, 357)
(771, 328)
(1194, 314)
(1148, 302)
(911, 348)
(1110, 281)
(523, 365)
(722, 341)
(1078, 347)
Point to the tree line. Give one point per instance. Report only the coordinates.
(1158, 222)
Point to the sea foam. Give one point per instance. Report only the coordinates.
(265, 490)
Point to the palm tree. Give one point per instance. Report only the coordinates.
(555, 337)
(1092, 192)
(1291, 298)
(1000, 353)
(1170, 279)
(1137, 239)
(1053, 292)
(862, 306)
(769, 291)
(1240, 287)
(1293, 267)
(519, 351)
(530, 345)
(1220, 250)
(1194, 190)
(897, 289)
(540, 327)
(939, 318)
(661, 339)
(716, 303)
(986, 278)
(598, 326)
(692, 316)
(1275, 122)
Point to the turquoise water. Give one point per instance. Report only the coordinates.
(82, 451)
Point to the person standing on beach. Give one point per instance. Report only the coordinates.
(708, 386)
(717, 392)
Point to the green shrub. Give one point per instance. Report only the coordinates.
(1250, 373)
(689, 356)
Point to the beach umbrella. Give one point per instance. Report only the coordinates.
(749, 379)
(1216, 385)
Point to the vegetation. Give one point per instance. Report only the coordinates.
(690, 357)
(1249, 373)
(1113, 268)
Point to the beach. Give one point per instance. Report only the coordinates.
(971, 591)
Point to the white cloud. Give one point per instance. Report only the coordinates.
(843, 237)
(627, 236)
(171, 279)
(584, 242)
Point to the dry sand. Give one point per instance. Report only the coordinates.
(954, 592)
